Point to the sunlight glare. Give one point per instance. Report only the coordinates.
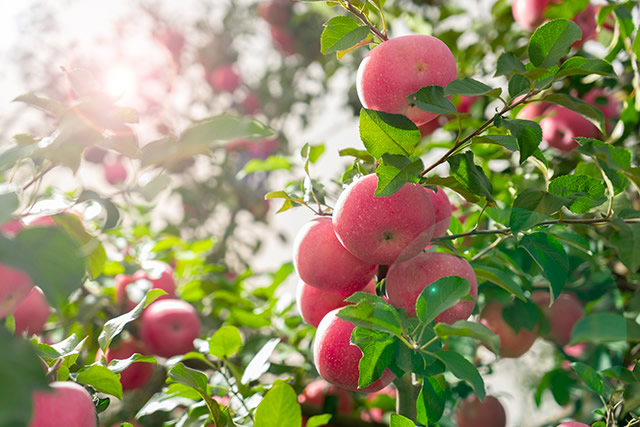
(120, 80)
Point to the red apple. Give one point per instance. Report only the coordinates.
(486, 413)
(32, 313)
(68, 404)
(43, 221)
(428, 128)
(529, 13)
(401, 66)
(336, 359)
(405, 282)
(383, 230)
(604, 101)
(115, 173)
(321, 261)
(562, 125)
(160, 274)
(573, 424)
(534, 110)
(138, 373)
(11, 227)
(168, 327)
(442, 208)
(251, 104)
(562, 315)
(224, 79)
(316, 391)
(275, 12)
(586, 20)
(94, 154)
(511, 344)
(376, 414)
(313, 303)
(466, 102)
(15, 286)
(283, 40)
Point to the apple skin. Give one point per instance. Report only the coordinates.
(376, 414)
(32, 313)
(313, 303)
(251, 104)
(534, 110)
(11, 227)
(321, 261)
(67, 405)
(138, 373)
(486, 413)
(465, 104)
(573, 424)
(405, 282)
(115, 173)
(400, 67)
(168, 327)
(586, 20)
(283, 41)
(529, 13)
(442, 208)
(511, 344)
(336, 359)
(94, 154)
(562, 315)
(611, 109)
(15, 286)
(160, 274)
(224, 79)
(383, 230)
(275, 12)
(316, 391)
(562, 125)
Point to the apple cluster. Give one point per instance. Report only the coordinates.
(340, 255)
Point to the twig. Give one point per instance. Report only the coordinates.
(490, 247)
(37, 177)
(361, 16)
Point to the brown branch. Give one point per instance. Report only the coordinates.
(37, 177)
(351, 8)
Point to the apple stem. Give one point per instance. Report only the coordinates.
(407, 397)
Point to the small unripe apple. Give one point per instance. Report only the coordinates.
(137, 374)
(316, 391)
(115, 173)
(562, 125)
(168, 327)
(383, 230)
(68, 404)
(486, 413)
(224, 79)
(511, 344)
(336, 359)
(321, 260)
(313, 303)
(32, 313)
(406, 281)
(442, 208)
(15, 285)
(562, 315)
(401, 66)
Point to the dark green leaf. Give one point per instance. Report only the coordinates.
(521, 315)
(565, 9)
(341, 33)
(467, 87)
(439, 296)
(577, 65)
(560, 382)
(395, 171)
(384, 133)
(626, 21)
(372, 314)
(225, 342)
(518, 85)
(376, 357)
(579, 106)
(9, 202)
(584, 191)
(626, 240)
(102, 379)
(552, 41)
(528, 134)
(431, 400)
(452, 183)
(601, 328)
(592, 379)
(89, 245)
(499, 277)
(551, 257)
(509, 63)
(432, 100)
(463, 369)
(464, 328)
(279, 408)
(470, 175)
(533, 206)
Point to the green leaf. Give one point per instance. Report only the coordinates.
(400, 421)
(119, 365)
(431, 400)
(577, 66)
(384, 133)
(395, 171)
(116, 325)
(470, 175)
(452, 183)
(467, 87)
(432, 100)
(312, 153)
(500, 278)
(341, 33)
(371, 313)
(584, 191)
(89, 245)
(260, 362)
(521, 315)
(528, 134)
(439, 296)
(376, 357)
(533, 206)
(22, 374)
(102, 379)
(592, 379)
(464, 328)
(602, 328)
(507, 64)
(279, 408)
(560, 382)
(551, 257)
(518, 84)
(225, 342)
(319, 420)
(625, 20)
(552, 41)
(197, 381)
(270, 164)
(224, 127)
(565, 9)
(49, 106)
(9, 202)
(617, 158)
(626, 240)
(358, 154)
(579, 106)
(462, 369)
